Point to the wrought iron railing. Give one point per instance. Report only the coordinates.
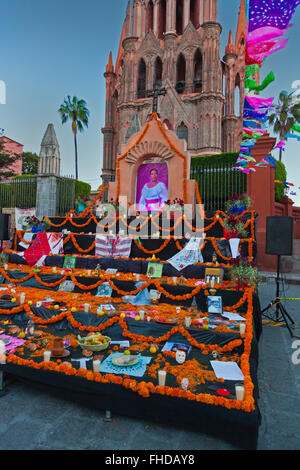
(18, 192)
(217, 183)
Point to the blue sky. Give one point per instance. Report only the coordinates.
(52, 49)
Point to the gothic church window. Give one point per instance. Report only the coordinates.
(237, 96)
(162, 26)
(158, 69)
(149, 17)
(142, 75)
(182, 132)
(179, 17)
(181, 70)
(194, 12)
(198, 72)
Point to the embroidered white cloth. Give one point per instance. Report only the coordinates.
(190, 254)
(110, 246)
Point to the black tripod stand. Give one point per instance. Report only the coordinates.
(281, 315)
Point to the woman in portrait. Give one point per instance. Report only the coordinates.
(154, 193)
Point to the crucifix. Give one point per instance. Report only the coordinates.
(155, 93)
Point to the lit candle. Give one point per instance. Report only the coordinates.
(137, 276)
(86, 308)
(162, 375)
(89, 273)
(47, 356)
(188, 321)
(212, 283)
(96, 366)
(22, 298)
(240, 392)
(6, 267)
(242, 328)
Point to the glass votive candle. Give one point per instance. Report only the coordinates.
(86, 308)
(22, 298)
(178, 310)
(240, 392)
(242, 328)
(162, 375)
(174, 280)
(47, 356)
(137, 277)
(6, 266)
(188, 321)
(89, 273)
(96, 366)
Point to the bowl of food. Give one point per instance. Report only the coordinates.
(95, 342)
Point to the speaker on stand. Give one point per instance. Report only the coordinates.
(279, 242)
(4, 227)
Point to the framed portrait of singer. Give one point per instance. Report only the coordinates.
(152, 186)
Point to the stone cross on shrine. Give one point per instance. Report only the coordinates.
(155, 93)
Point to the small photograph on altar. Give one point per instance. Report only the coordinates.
(214, 304)
(152, 186)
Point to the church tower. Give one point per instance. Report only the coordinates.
(175, 43)
(49, 158)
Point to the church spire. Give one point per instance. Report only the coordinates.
(110, 65)
(128, 21)
(242, 25)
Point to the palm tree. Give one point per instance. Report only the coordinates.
(75, 110)
(286, 114)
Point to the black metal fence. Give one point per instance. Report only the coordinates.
(18, 192)
(217, 183)
(66, 195)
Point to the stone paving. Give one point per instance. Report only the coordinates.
(33, 420)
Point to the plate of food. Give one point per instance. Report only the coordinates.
(95, 342)
(125, 361)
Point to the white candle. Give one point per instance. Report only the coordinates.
(175, 280)
(149, 319)
(89, 272)
(162, 375)
(6, 267)
(54, 270)
(137, 276)
(96, 366)
(188, 321)
(242, 328)
(240, 392)
(47, 356)
(22, 298)
(142, 314)
(86, 308)
(178, 310)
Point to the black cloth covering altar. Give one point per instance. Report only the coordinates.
(237, 427)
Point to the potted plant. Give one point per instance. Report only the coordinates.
(81, 203)
(244, 273)
(3, 257)
(238, 204)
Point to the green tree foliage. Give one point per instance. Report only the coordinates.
(75, 110)
(6, 162)
(29, 163)
(286, 114)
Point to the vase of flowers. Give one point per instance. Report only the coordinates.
(3, 258)
(175, 208)
(234, 227)
(244, 274)
(238, 204)
(81, 203)
(35, 224)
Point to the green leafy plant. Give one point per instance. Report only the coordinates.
(244, 273)
(234, 227)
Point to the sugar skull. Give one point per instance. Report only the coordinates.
(185, 384)
(180, 357)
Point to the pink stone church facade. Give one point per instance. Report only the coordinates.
(176, 43)
(13, 148)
